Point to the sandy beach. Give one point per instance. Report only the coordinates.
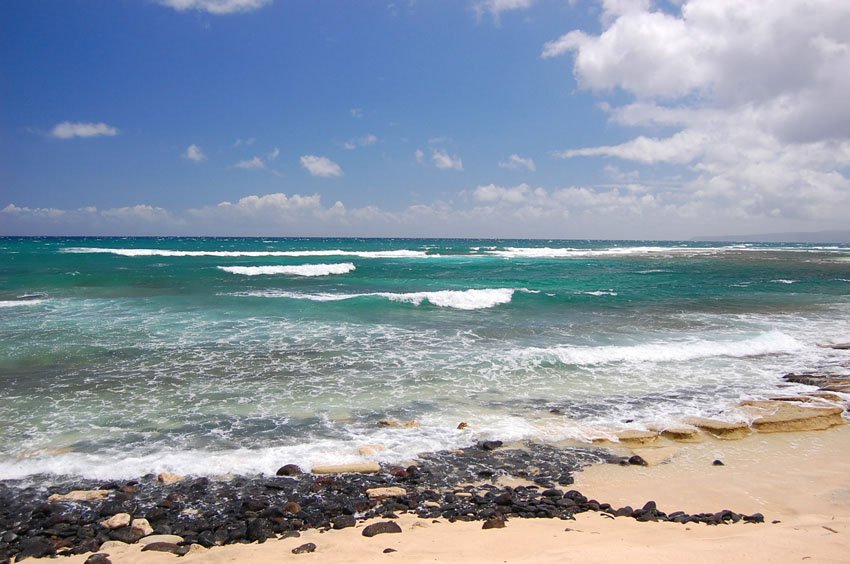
(799, 481)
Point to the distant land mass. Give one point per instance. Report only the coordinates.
(792, 237)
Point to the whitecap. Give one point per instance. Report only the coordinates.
(401, 253)
(292, 270)
(455, 299)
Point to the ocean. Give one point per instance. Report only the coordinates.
(211, 356)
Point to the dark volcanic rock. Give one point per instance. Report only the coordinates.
(289, 470)
(98, 558)
(35, 547)
(637, 460)
(344, 521)
(494, 523)
(166, 547)
(490, 445)
(304, 548)
(381, 528)
(718, 463)
(126, 534)
(389, 550)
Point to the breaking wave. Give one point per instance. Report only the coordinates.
(293, 270)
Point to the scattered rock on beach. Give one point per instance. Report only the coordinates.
(718, 463)
(352, 468)
(305, 548)
(389, 550)
(142, 527)
(383, 493)
(637, 460)
(729, 430)
(344, 522)
(494, 523)
(490, 445)
(289, 470)
(381, 528)
(116, 521)
(166, 547)
(168, 478)
(80, 495)
(98, 558)
(175, 539)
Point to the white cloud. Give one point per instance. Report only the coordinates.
(496, 7)
(274, 154)
(69, 130)
(493, 193)
(356, 112)
(240, 142)
(255, 163)
(515, 162)
(364, 141)
(753, 92)
(420, 156)
(194, 153)
(217, 7)
(445, 161)
(320, 166)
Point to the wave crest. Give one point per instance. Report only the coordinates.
(292, 270)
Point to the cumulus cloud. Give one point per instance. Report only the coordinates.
(752, 90)
(195, 154)
(364, 141)
(217, 7)
(445, 161)
(496, 7)
(515, 162)
(255, 163)
(69, 130)
(320, 166)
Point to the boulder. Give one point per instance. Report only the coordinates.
(98, 558)
(381, 528)
(289, 470)
(383, 493)
(166, 547)
(352, 468)
(462, 425)
(142, 527)
(779, 416)
(167, 478)
(494, 523)
(304, 548)
(116, 521)
(174, 539)
(729, 430)
(80, 495)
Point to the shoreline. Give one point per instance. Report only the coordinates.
(786, 467)
(798, 480)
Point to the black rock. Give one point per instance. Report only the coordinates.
(125, 534)
(343, 522)
(494, 523)
(289, 470)
(35, 547)
(98, 558)
(718, 463)
(490, 445)
(304, 548)
(754, 518)
(166, 547)
(381, 528)
(388, 550)
(637, 460)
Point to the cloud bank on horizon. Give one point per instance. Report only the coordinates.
(711, 116)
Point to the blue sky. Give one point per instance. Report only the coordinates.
(616, 118)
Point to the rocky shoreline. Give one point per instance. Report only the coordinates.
(48, 516)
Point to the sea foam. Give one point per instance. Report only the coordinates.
(402, 253)
(455, 299)
(773, 342)
(292, 270)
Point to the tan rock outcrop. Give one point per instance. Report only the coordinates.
(781, 416)
(728, 430)
(168, 478)
(116, 521)
(142, 527)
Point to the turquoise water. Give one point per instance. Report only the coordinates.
(120, 356)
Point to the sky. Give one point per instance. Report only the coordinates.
(603, 119)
